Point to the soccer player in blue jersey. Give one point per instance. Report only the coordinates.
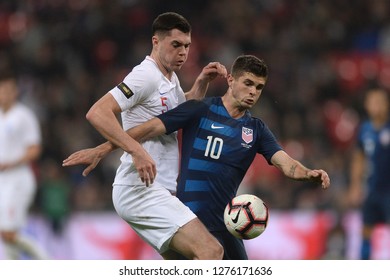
(370, 166)
(220, 140)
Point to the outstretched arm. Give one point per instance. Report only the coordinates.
(295, 170)
(102, 116)
(92, 156)
(201, 84)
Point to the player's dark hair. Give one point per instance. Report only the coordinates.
(250, 64)
(165, 22)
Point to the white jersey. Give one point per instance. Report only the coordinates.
(19, 128)
(145, 93)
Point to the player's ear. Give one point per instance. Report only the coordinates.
(155, 40)
(230, 80)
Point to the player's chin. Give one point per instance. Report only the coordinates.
(247, 104)
(177, 67)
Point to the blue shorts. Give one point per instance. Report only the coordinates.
(376, 208)
(234, 248)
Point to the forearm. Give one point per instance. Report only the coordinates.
(140, 133)
(32, 153)
(105, 121)
(290, 167)
(147, 130)
(298, 171)
(209, 73)
(105, 148)
(198, 90)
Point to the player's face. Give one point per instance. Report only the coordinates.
(377, 105)
(246, 89)
(172, 50)
(8, 93)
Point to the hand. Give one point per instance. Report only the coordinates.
(90, 157)
(7, 166)
(319, 176)
(213, 70)
(145, 166)
(4, 166)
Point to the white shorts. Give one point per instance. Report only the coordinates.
(153, 212)
(17, 191)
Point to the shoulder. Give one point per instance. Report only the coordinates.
(21, 108)
(195, 104)
(191, 109)
(146, 70)
(211, 101)
(257, 122)
(143, 81)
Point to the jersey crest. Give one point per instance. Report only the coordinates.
(247, 135)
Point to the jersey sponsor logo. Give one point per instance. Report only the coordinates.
(162, 93)
(213, 126)
(125, 90)
(247, 134)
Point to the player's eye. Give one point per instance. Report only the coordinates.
(260, 87)
(179, 45)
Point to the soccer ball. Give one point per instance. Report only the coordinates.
(246, 216)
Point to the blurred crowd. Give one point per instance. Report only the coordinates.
(322, 56)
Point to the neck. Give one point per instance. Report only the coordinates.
(233, 106)
(164, 70)
(5, 107)
(379, 122)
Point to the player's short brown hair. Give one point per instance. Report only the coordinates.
(250, 64)
(166, 22)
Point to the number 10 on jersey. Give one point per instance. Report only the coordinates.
(213, 147)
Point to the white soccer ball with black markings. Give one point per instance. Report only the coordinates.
(246, 216)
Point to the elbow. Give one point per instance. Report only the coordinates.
(91, 115)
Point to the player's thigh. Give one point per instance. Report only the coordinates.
(152, 212)
(193, 239)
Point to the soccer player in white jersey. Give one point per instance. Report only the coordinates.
(20, 145)
(142, 197)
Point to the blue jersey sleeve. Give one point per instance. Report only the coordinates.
(268, 144)
(183, 115)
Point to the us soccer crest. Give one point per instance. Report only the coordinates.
(247, 135)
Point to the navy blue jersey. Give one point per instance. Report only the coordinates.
(376, 146)
(217, 150)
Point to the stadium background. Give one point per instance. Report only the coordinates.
(322, 56)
